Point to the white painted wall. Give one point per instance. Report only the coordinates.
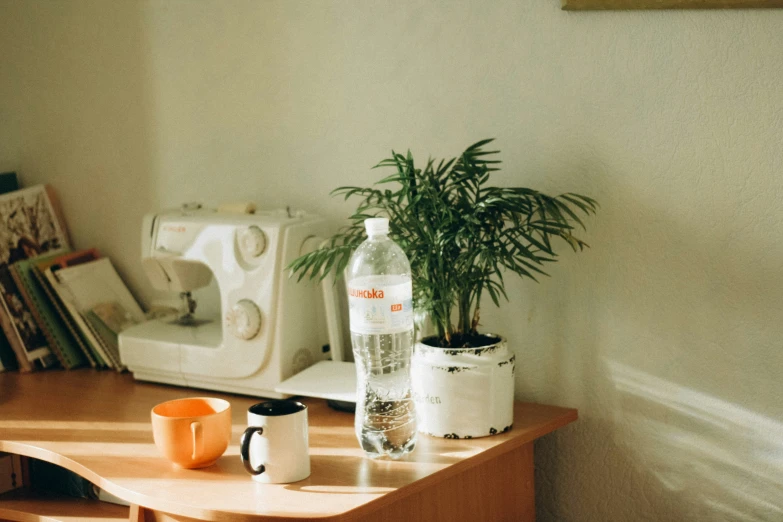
(667, 334)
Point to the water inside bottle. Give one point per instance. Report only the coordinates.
(385, 411)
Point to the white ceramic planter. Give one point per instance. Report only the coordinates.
(463, 393)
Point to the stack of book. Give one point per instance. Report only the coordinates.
(58, 307)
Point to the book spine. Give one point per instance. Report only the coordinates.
(79, 321)
(23, 291)
(107, 349)
(58, 307)
(56, 337)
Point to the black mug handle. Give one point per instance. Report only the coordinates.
(244, 451)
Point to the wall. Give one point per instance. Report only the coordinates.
(666, 334)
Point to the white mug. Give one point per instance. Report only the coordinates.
(275, 446)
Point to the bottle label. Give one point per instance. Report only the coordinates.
(380, 305)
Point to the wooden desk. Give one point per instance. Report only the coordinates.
(97, 424)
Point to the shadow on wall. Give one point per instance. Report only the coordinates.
(735, 455)
(666, 339)
(673, 454)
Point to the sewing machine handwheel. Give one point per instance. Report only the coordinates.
(252, 241)
(244, 319)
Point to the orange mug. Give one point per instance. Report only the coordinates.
(193, 432)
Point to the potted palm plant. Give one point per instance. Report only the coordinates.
(462, 238)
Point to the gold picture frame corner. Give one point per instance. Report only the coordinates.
(603, 5)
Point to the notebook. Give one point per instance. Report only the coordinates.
(68, 310)
(107, 335)
(58, 336)
(38, 271)
(95, 289)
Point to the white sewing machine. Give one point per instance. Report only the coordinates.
(268, 327)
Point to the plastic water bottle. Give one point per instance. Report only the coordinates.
(381, 319)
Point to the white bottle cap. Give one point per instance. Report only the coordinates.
(376, 226)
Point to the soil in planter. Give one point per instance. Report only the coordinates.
(462, 341)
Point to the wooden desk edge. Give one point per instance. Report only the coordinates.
(30, 450)
(569, 415)
(519, 436)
